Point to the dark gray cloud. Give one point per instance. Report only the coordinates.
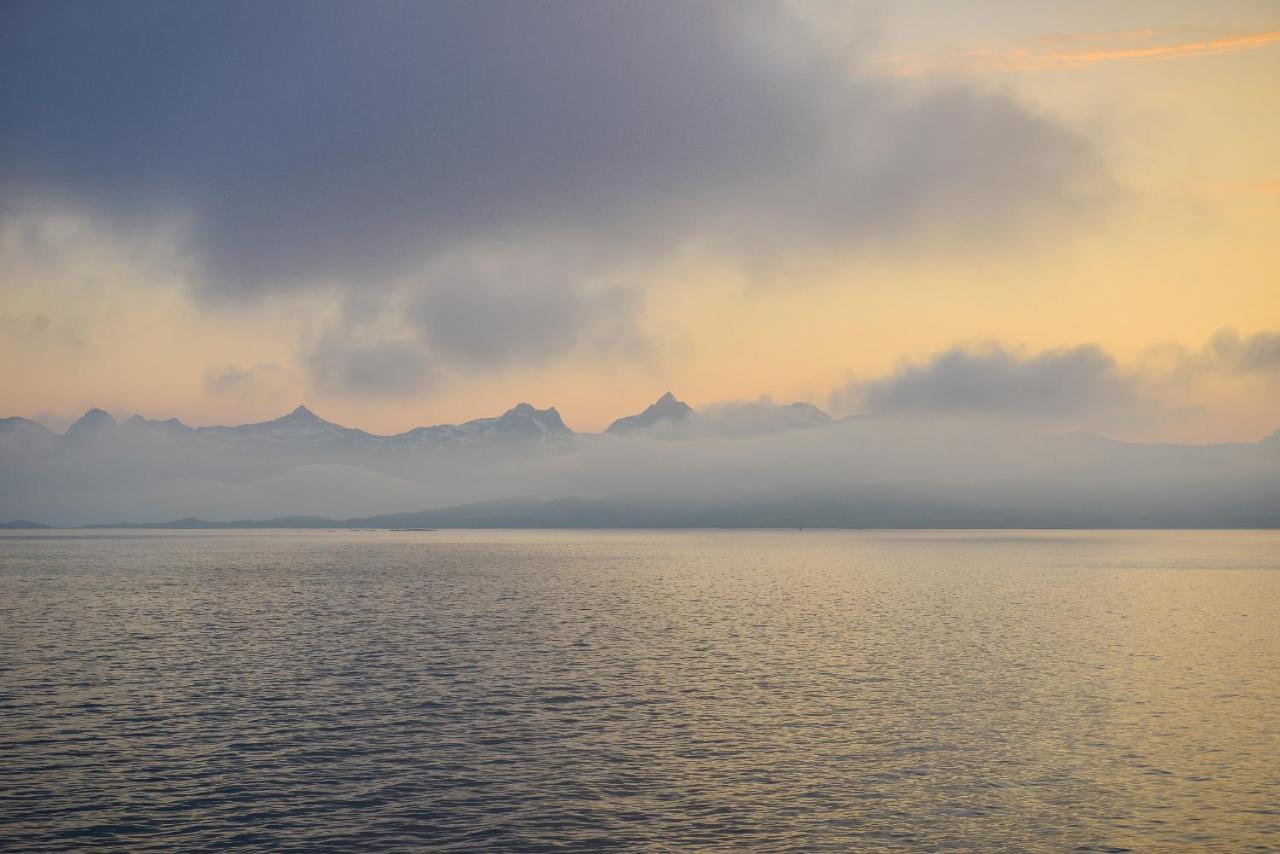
(318, 141)
(346, 364)
(37, 330)
(1257, 353)
(994, 381)
(264, 380)
(312, 142)
(1077, 385)
(1226, 353)
(221, 379)
(356, 145)
(523, 309)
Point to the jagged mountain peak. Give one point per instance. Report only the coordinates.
(526, 418)
(92, 421)
(520, 424)
(300, 413)
(142, 420)
(301, 428)
(666, 412)
(299, 416)
(171, 427)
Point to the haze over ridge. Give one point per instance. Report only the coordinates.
(747, 464)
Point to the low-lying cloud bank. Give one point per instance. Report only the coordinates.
(1066, 388)
(996, 381)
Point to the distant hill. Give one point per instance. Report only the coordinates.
(879, 507)
(852, 508)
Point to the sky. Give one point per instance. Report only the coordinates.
(417, 213)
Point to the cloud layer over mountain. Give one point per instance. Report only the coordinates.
(749, 464)
(996, 381)
(1070, 387)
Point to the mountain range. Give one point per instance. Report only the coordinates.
(736, 465)
(303, 429)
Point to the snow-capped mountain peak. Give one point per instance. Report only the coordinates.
(300, 428)
(665, 413)
(302, 415)
(524, 418)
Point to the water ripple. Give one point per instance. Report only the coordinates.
(657, 691)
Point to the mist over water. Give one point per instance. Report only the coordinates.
(528, 690)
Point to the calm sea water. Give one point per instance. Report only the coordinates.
(655, 690)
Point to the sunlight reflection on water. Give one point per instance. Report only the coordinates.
(526, 690)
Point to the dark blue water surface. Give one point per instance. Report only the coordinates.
(799, 690)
